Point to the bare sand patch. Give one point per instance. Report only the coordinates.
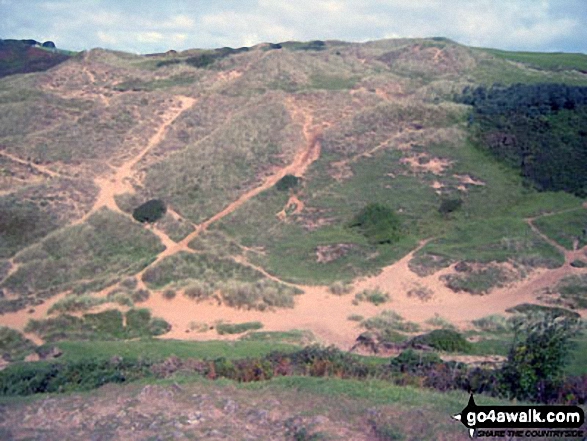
(421, 163)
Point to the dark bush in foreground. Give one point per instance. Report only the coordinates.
(538, 356)
(45, 377)
(420, 369)
(151, 211)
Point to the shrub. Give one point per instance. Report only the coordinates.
(440, 322)
(444, 340)
(75, 303)
(339, 288)
(578, 263)
(45, 377)
(287, 182)
(449, 205)
(538, 356)
(421, 292)
(151, 211)
(129, 283)
(355, 318)
(169, 294)
(412, 361)
(120, 297)
(378, 223)
(389, 320)
(372, 295)
(260, 295)
(198, 290)
(201, 60)
(237, 328)
(140, 295)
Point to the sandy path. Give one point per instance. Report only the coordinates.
(18, 320)
(303, 159)
(112, 186)
(326, 315)
(40, 168)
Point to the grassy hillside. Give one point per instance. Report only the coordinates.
(386, 194)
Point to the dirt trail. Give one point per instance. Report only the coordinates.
(112, 186)
(40, 168)
(570, 256)
(303, 159)
(92, 79)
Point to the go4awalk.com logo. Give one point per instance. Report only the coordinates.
(522, 421)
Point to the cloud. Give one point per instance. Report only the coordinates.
(149, 37)
(157, 26)
(107, 38)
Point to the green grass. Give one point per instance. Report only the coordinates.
(331, 82)
(376, 392)
(185, 267)
(578, 361)
(105, 325)
(567, 229)
(294, 337)
(491, 346)
(164, 83)
(493, 240)
(159, 349)
(545, 60)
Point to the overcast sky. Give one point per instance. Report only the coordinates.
(158, 25)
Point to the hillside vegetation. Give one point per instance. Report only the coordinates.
(409, 198)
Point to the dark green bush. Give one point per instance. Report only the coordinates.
(201, 60)
(168, 62)
(449, 205)
(287, 182)
(151, 211)
(412, 361)
(378, 223)
(45, 377)
(444, 340)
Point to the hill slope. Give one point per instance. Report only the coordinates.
(264, 158)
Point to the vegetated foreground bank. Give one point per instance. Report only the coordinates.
(336, 394)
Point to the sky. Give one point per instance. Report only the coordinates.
(149, 26)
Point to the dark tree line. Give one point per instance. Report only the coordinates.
(540, 129)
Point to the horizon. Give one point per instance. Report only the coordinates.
(546, 26)
(58, 46)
